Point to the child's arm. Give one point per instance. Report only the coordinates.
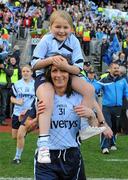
(62, 64)
(42, 63)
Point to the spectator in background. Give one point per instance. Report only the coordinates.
(104, 48)
(14, 78)
(99, 36)
(6, 71)
(114, 88)
(91, 78)
(125, 48)
(86, 41)
(121, 60)
(16, 54)
(123, 117)
(27, 24)
(87, 66)
(125, 7)
(16, 69)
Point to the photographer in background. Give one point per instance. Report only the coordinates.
(6, 71)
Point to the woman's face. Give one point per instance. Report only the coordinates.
(59, 78)
(26, 73)
(60, 28)
(13, 61)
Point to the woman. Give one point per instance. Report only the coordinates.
(66, 158)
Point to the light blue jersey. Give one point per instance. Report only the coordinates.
(24, 90)
(65, 122)
(49, 46)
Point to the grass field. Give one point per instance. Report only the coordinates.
(114, 165)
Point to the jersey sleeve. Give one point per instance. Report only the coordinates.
(40, 51)
(13, 91)
(77, 56)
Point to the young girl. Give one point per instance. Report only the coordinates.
(59, 41)
(22, 96)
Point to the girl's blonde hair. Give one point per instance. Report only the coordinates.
(63, 14)
(26, 65)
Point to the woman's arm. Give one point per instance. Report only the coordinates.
(16, 101)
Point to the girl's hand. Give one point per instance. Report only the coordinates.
(20, 101)
(83, 111)
(60, 62)
(108, 132)
(21, 116)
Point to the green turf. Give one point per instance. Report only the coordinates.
(96, 164)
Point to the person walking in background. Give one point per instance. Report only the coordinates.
(114, 88)
(22, 96)
(124, 117)
(29, 122)
(57, 45)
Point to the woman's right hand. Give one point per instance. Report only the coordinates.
(40, 107)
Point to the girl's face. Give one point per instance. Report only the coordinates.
(26, 73)
(61, 28)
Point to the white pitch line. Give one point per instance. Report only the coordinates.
(116, 160)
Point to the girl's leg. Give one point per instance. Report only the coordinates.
(88, 93)
(20, 144)
(14, 133)
(85, 89)
(45, 93)
(20, 137)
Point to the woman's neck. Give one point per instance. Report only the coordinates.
(60, 91)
